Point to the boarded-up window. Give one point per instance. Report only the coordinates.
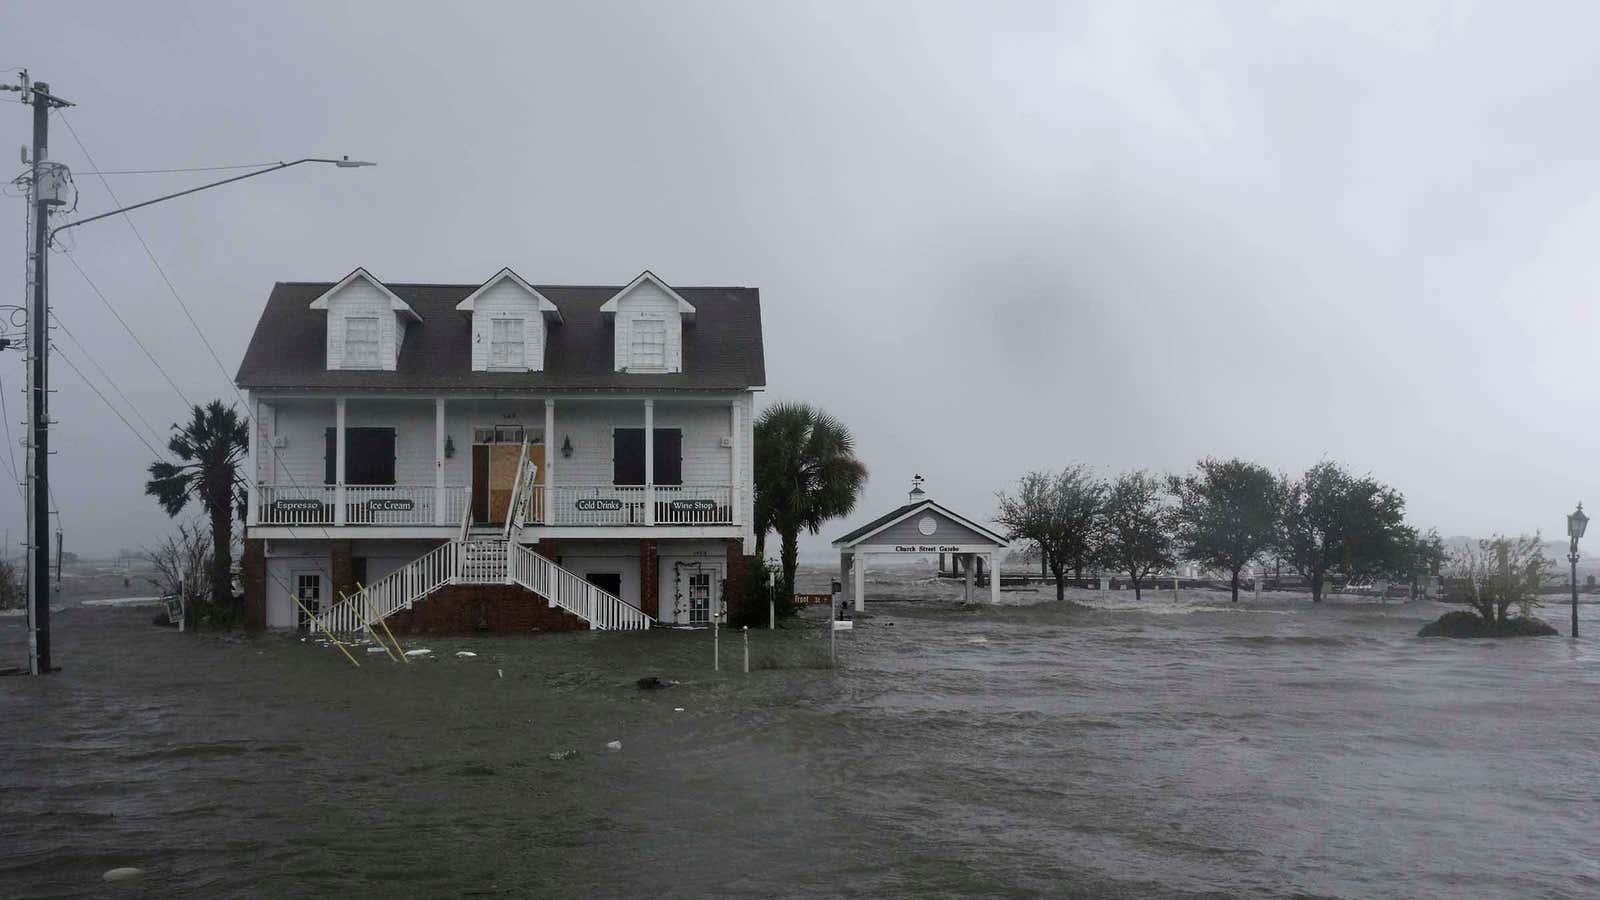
(628, 459)
(361, 342)
(649, 344)
(505, 343)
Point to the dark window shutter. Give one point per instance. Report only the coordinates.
(627, 462)
(669, 456)
(369, 456)
(330, 455)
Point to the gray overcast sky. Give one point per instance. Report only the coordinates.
(989, 236)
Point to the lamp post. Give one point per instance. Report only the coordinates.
(1576, 523)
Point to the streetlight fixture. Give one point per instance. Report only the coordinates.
(1576, 523)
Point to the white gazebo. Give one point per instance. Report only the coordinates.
(921, 527)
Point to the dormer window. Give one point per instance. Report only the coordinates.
(647, 319)
(507, 348)
(361, 342)
(366, 323)
(510, 320)
(649, 351)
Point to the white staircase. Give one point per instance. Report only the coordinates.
(484, 561)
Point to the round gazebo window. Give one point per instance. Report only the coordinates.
(928, 525)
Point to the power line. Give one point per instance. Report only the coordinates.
(150, 253)
(109, 405)
(126, 327)
(109, 380)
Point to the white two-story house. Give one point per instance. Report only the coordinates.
(500, 455)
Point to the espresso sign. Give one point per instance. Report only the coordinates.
(391, 504)
(290, 507)
(693, 506)
(598, 504)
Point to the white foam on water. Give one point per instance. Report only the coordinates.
(421, 651)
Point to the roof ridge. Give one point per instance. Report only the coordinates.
(478, 284)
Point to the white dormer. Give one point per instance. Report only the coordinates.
(649, 317)
(366, 323)
(509, 319)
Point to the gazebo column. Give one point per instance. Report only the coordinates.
(859, 596)
(994, 578)
(966, 592)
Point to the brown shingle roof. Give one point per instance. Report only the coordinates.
(721, 347)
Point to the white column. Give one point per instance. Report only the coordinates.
(994, 578)
(339, 511)
(733, 461)
(649, 462)
(439, 517)
(251, 499)
(550, 454)
(860, 592)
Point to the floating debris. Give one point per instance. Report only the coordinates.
(422, 651)
(465, 654)
(376, 650)
(563, 755)
(502, 672)
(677, 709)
(614, 745)
(122, 873)
(650, 684)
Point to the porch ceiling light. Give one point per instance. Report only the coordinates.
(449, 447)
(566, 447)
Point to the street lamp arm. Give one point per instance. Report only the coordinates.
(345, 163)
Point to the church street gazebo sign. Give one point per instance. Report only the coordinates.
(908, 530)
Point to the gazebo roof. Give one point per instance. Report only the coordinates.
(890, 519)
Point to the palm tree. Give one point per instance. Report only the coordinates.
(210, 447)
(806, 474)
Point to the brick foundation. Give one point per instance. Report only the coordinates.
(253, 575)
(341, 568)
(733, 588)
(471, 608)
(649, 578)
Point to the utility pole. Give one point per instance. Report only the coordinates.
(37, 95)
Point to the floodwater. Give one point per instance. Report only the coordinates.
(1154, 749)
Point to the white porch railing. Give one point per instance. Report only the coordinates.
(387, 504)
(694, 504)
(298, 504)
(612, 504)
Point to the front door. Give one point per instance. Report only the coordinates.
(495, 452)
(308, 590)
(702, 596)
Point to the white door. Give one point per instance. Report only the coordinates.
(308, 588)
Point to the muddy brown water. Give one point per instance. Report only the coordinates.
(1145, 749)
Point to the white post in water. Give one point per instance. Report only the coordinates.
(833, 630)
(1177, 572)
(1259, 572)
(716, 637)
(747, 649)
(772, 603)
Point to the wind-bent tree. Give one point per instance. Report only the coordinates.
(1334, 523)
(1056, 511)
(806, 473)
(209, 448)
(1227, 514)
(1136, 528)
(1493, 575)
